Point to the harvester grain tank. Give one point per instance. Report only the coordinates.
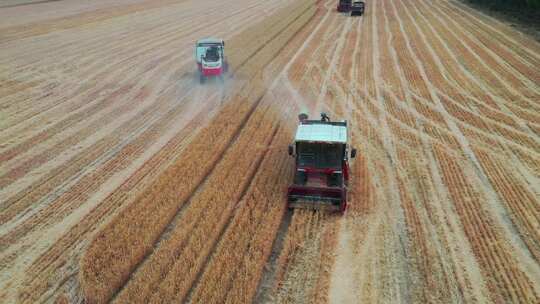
(357, 8)
(210, 57)
(322, 154)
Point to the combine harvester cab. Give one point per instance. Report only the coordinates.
(210, 56)
(322, 167)
(344, 6)
(357, 8)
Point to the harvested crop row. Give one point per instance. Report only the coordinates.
(407, 65)
(460, 114)
(115, 141)
(497, 116)
(329, 241)
(24, 197)
(144, 220)
(430, 62)
(389, 69)
(116, 67)
(234, 268)
(345, 63)
(301, 258)
(18, 32)
(191, 239)
(427, 112)
(67, 95)
(506, 53)
(523, 206)
(152, 221)
(49, 270)
(532, 162)
(399, 111)
(454, 72)
(527, 48)
(202, 236)
(469, 58)
(408, 138)
(505, 280)
(524, 140)
(436, 276)
(81, 189)
(482, 138)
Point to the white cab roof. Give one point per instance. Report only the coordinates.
(210, 40)
(322, 133)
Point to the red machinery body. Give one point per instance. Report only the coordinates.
(210, 57)
(344, 6)
(208, 72)
(322, 166)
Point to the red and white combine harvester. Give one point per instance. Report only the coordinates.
(322, 165)
(344, 6)
(210, 56)
(355, 7)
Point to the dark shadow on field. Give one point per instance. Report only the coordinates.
(15, 3)
(523, 18)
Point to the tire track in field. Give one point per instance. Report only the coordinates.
(237, 129)
(49, 208)
(490, 60)
(79, 136)
(442, 69)
(257, 50)
(48, 26)
(157, 110)
(65, 251)
(477, 64)
(149, 51)
(508, 54)
(502, 33)
(202, 292)
(475, 80)
(126, 105)
(471, 155)
(138, 35)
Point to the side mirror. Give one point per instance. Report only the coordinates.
(290, 150)
(353, 153)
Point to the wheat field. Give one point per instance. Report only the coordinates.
(122, 179)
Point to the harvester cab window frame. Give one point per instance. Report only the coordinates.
(212, 54)
(320, 155)
(202, 48)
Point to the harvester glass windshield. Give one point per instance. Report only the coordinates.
(319, 155)
(212, 54)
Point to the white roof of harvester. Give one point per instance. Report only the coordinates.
(322, 133)
(210, 40)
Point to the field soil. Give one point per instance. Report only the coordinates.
(123, 179)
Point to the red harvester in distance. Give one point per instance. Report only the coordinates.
(344, 6)
(210, 57)
(357, 8)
